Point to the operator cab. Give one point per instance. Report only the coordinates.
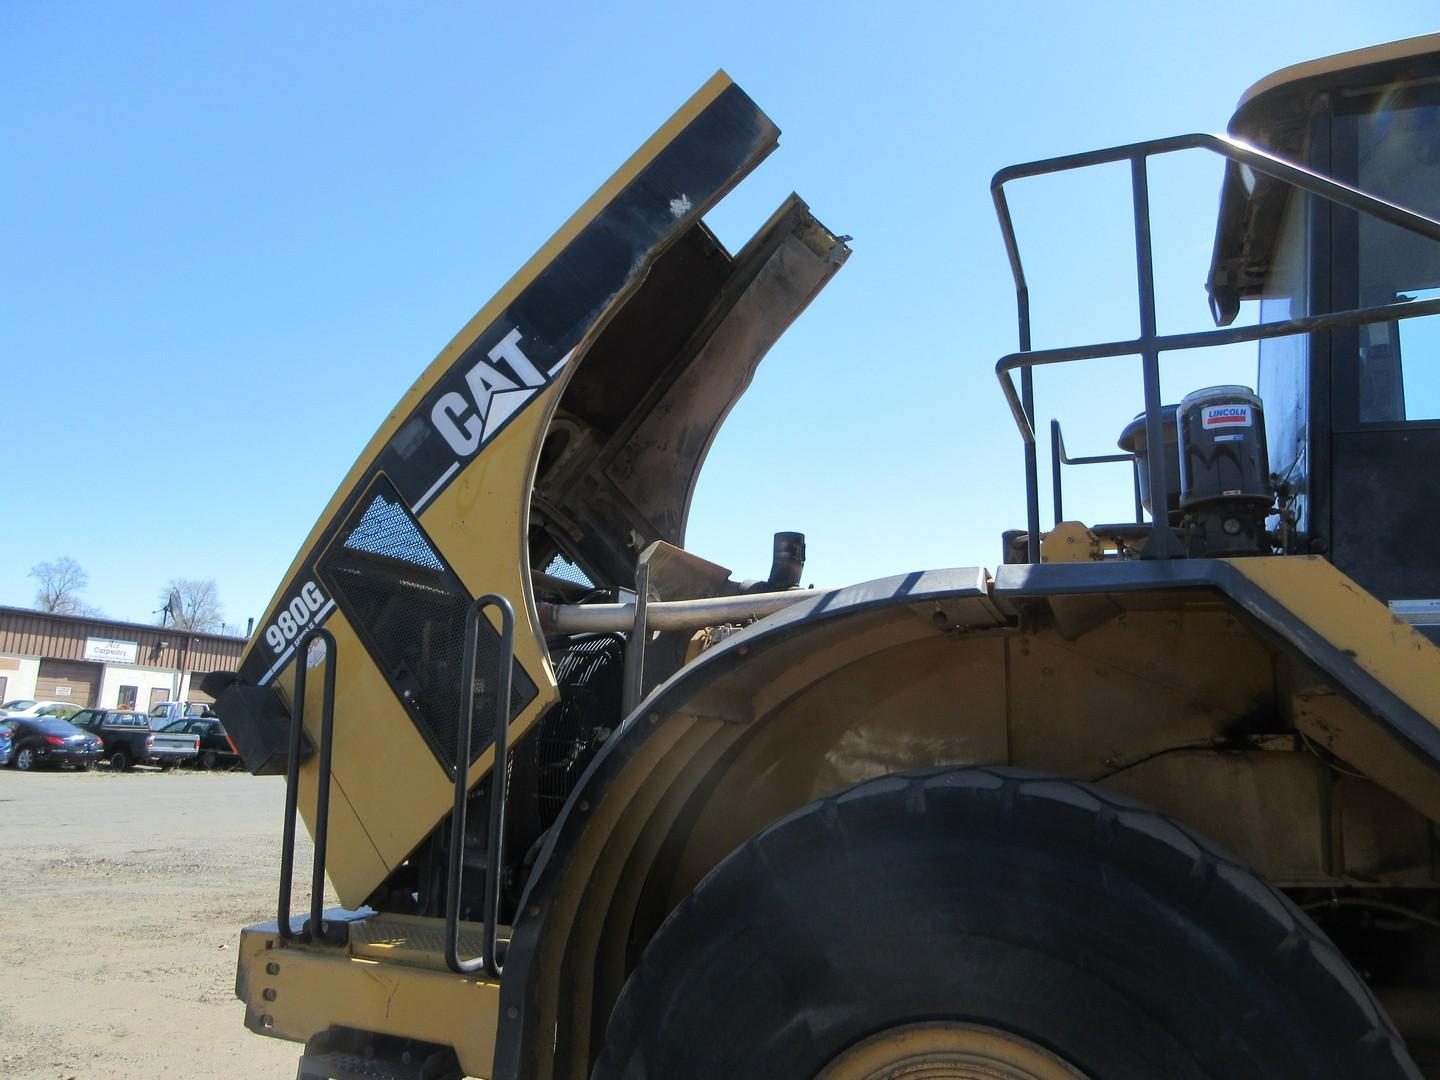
(1328, 218)
(1353, 414)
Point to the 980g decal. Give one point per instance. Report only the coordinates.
(308, 607)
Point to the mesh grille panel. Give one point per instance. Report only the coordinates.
(590, 673)
(386, 529)
(563, 568)
(409, 608)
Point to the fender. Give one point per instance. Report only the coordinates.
(1303, 605)
(688, 776)
(660, 766)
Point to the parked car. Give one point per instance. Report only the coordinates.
(129, 741)
(164, 712)
(216, 749)
(7, 744)
(59, 710)
(44, 740)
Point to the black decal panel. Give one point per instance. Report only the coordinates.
(408, 607)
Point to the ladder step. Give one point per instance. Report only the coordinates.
(413, 940)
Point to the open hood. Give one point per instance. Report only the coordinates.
(596, 380)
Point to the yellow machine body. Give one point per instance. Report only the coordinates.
(1272, 704)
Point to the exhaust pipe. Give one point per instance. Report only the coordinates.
(787, 563)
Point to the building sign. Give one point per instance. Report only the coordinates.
(107, 651)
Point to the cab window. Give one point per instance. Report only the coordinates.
(1389, 145)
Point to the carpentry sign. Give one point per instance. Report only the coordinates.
(110, 651)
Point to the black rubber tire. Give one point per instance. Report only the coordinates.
(120, 760)
(24, 759)
(208, 760)
(1055, 910)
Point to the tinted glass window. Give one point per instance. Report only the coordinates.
(18, 703)
(1390, 145)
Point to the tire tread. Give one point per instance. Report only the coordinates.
(1206, 878)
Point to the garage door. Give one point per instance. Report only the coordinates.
(74, 681)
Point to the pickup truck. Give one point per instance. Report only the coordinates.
(164, 712)
(129, 741)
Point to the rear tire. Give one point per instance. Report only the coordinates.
(209, 759)
(120, 760)
(25, 759)
(1048, 913)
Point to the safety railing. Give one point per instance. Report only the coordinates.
(1059, 457)
(489, 959)
(1150, 343)
(314, 927)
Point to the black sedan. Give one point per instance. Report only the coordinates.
(216, 749)
(44, 740)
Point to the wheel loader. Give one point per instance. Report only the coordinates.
(1150, 798)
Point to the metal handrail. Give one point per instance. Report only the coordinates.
(1200, 339)
(1059, 457)
(315, 927)
(489, 959)
(1149, 344)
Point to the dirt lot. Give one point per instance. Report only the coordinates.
(121, 900)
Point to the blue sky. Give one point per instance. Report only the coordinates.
(233, 235)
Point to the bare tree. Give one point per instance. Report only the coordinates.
(61, 583)
(192, 604)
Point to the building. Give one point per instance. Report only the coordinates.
(103, 663)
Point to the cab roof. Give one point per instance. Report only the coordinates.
(1341, 64)
(1275, 114)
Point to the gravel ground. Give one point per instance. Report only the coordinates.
(121, 901)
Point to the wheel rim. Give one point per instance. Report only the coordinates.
(940, 1050)
(24, 759)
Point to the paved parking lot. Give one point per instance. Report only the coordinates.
(121, 898)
